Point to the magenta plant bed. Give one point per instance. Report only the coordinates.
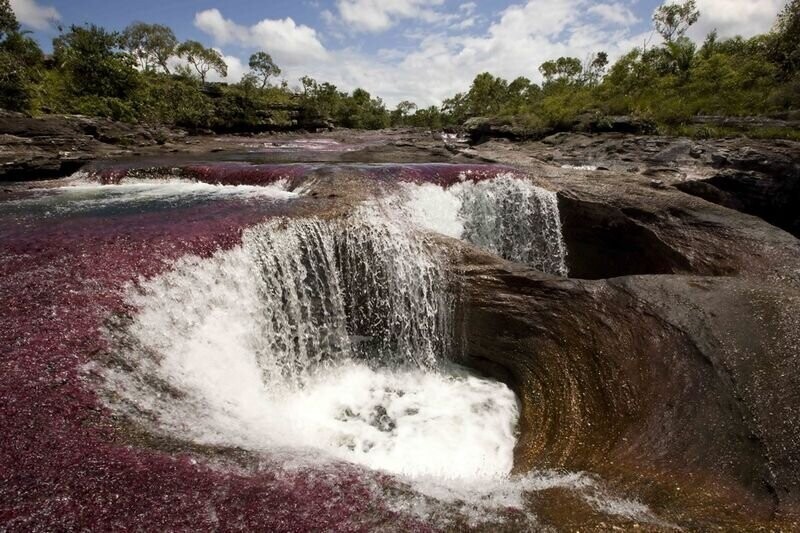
(214, 173)
(443, 174)
(64, 464)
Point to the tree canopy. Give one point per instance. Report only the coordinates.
(203, 60)
(672, 21)
(263, 67)
(8, 21)
(144, 74)
(151, 44)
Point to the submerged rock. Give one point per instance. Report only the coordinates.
(664, 364)
(669, 368)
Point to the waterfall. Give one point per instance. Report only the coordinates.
(362, 288)
(326, 335)
(507, 216)
(318, 340)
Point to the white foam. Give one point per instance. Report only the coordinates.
(590, 168)
(306, 145)
(506, 215)
(82, 194)
(251, 349)
(436, 208)
(253, 343)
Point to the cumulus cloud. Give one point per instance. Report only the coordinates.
(380, 15)
(735, 17)
(287, 41)
(444, 62)
(236, 69)
(29, 13)
(468, 7)
(441, 64)
(614, 13)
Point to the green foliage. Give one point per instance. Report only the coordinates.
(126, 77)
(400, 115)
(563, 70)
(716, 132)
(150, 44)
(324, 102)
(673, 20)
(263, 67)
(173, 100)
(784, 43)
(249, 107)
(669, 84)
(8, 21)
(93, 63)
(430, 117)
(203, 60)
(20, 63)
(361, 111)
(20, 71)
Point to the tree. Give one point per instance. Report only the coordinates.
(784, 48)
(456, 108)
(405, 108)
(91, 59)
(486, 95)
(308, 85)
(564, 69)
(20, 70)
(680, 57)
(263, 68)
(361, 111)
(8, 21)
(673, 20)
(202, 59)
(402, 112)
(596, 68)
(151, 44)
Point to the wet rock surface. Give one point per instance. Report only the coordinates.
(675, 375)
(55, 146)
(666, 362)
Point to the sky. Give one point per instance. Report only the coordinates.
(419, 50)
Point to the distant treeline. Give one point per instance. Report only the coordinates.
(133, 76)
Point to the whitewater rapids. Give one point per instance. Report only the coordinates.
(251, 349)
(329, 341)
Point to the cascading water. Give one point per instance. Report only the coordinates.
(507, 216)
(330, 340)
(312, 335)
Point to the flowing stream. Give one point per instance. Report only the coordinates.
(506, 216)
(330, 340)
(318, 335)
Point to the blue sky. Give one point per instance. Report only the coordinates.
(422, 50)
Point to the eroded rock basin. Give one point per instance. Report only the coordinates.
(361, 346)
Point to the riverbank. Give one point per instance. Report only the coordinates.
(661, 365)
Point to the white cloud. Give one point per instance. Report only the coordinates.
(464, 24)
(288, 42)
(735, 17)
(468, 7)
(29, 13)
(444, 62)
(236, 69)
(523, 37)
(614, 13)
(380, 15)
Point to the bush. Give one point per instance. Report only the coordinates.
(20, 71)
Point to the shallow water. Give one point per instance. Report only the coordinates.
(203, 315)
